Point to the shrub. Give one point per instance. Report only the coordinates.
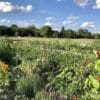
(7, 53)
(50, 65)
(28, 86)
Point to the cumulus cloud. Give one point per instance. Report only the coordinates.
(50, 18)
(81, 3)
(73, 17)
(67, 22)
(4, 20)
(97, 5)
(71, 20)
(6, 7)
(48, 23)
(88, 25)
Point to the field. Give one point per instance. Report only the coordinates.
(48, 69)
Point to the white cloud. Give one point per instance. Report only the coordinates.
(23, 23)
(71, 20)
(73, 17)
(88, 25)
(6, 7)
(48, 23)
(81, 3)
(67, 22)
(97, 5)
(50, 18)
(4, 20)
(8, 21)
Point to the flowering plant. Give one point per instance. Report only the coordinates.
(3, 66)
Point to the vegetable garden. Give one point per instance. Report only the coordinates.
(49, 69)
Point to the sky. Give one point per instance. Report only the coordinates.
(72, 14)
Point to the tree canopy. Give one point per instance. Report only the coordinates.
(46, 31)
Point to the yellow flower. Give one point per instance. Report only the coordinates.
(97, 53)
(3, 66)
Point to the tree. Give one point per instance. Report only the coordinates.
(67, 33)
(33, 31)
(46, 31)
(84, 33)
(6, 31)
(70, 33)
(55, 34)
(14, 26)
(62, 32)
(96, 36)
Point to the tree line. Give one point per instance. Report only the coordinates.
(46, 31)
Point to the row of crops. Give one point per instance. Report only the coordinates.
(49, 69)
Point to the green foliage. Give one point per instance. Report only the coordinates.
(49, 69)
(21, 97)
(82, 33)
(97, 65)
(7, 53)
(50, 65)
(68, 33)
(46, 31)
(43, 96)
(28, 86)
(95, 83)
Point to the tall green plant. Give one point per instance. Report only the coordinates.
(28, 86)
(7, 53)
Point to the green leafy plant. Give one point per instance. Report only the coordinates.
(7, 53)
(28, 86)
(95, 82)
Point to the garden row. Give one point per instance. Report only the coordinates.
(45, 70)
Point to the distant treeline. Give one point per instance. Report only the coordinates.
(46, 31)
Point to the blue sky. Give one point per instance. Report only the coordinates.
(73, 14)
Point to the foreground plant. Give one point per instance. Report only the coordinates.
(7, 53)
(28, 86)
(3, 66)
(96, 80)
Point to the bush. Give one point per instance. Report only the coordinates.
(28, 86)
(50, 65)
(7, 53)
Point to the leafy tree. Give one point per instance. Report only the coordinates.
(62, 32)
(14, 26)
(14, 29)
(70, 34)
(67, 33)
(46, 31)
(55, 34)
(84, 33)
(33, 31)
(96, 35)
